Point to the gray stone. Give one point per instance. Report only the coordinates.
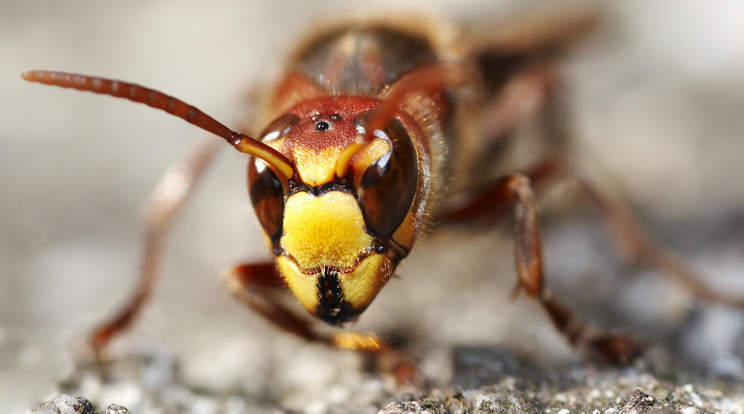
(67, 404)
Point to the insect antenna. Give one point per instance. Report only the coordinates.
(427, 80)
(169, 104)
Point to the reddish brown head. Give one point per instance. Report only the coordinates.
(335, 237)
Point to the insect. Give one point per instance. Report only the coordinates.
(378, 129)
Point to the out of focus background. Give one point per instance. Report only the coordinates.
(656, 106)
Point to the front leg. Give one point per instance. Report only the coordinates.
(259, 286)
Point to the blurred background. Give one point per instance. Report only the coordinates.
(656, 100)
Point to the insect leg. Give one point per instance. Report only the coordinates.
(489, 204)
(259, 287)
(517, 189)
(165, 201)
(519, 64)
(627, 233)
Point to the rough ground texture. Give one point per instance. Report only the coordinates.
(654, 101)
(485, 381)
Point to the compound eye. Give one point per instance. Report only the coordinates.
(265, 188)
(389, 184)
(267, 196)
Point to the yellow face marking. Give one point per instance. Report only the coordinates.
(368, 155)
(363, 284)
(324, 231)
(316, 168)
(303, 286)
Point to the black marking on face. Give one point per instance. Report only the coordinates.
(332, 308)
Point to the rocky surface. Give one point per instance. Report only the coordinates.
(485, 380)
